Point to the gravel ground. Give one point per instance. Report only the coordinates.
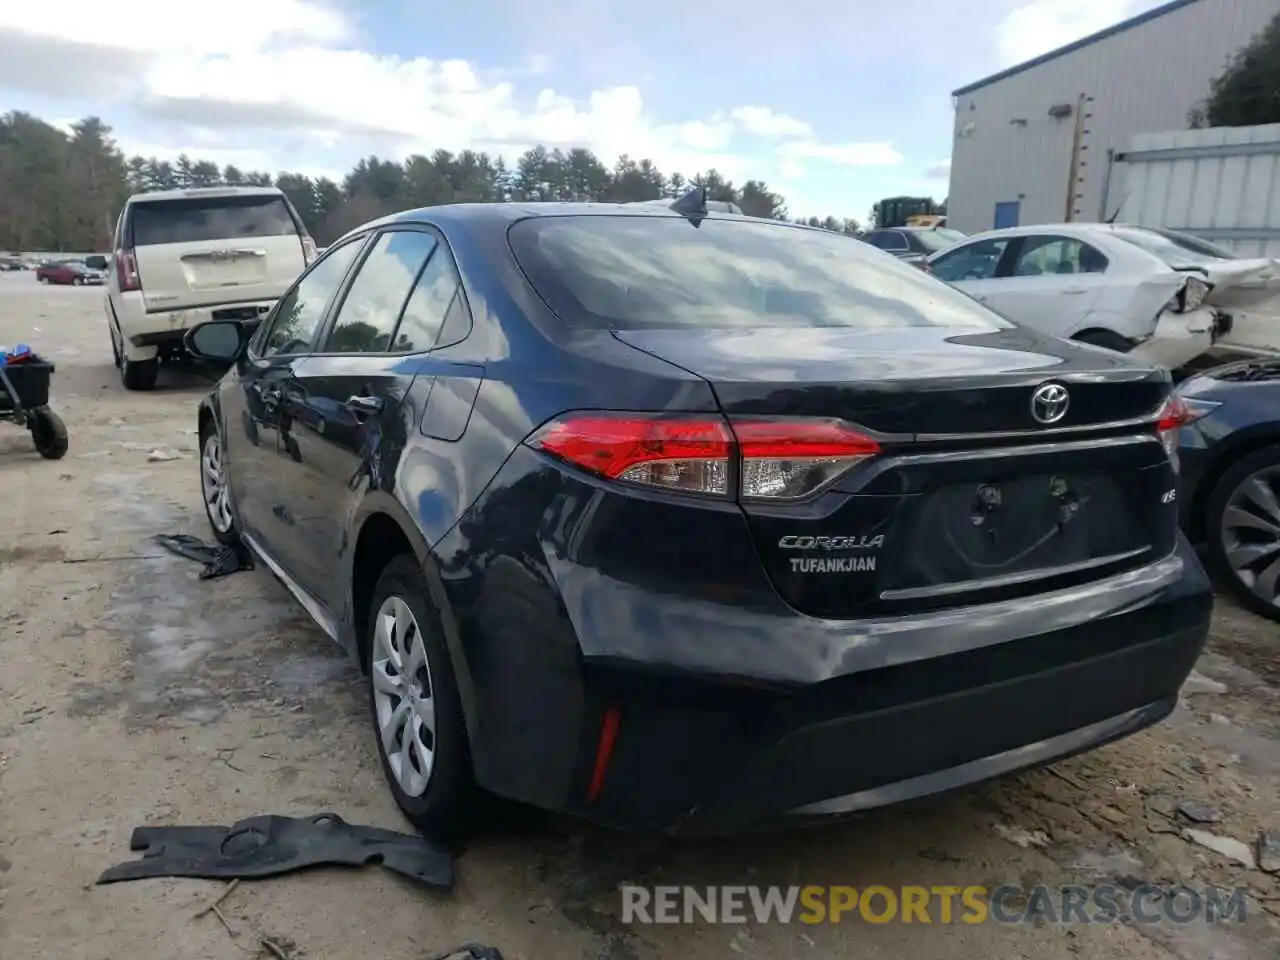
(133, 693)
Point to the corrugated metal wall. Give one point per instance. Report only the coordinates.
(1222, 184)
(1007, 147)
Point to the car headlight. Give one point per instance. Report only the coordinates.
(1191, 296)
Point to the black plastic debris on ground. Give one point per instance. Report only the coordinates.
(268, 846)
(218, 559)
(470, 951)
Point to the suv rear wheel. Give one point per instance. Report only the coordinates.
(414, 703)
(139, 374)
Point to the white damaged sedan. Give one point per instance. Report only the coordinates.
(1157, 293)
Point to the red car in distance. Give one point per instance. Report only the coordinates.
(70, 272)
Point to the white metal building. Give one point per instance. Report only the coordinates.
(1030, 136)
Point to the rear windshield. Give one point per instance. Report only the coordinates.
(201, 219)
(622, 272)
(939, 239)
(1175, 249)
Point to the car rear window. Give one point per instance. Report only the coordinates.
(201, 219)
(1175, 249)
(939, 238)
(621, 272)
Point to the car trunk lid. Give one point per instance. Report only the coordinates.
(970, 499)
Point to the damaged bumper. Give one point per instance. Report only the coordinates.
(656, 747)
(1180, 338)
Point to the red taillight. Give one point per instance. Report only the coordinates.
(127, 271)
(673, 452)
(777, 459)
(1173, 416)
(785, 459)
(308, 250)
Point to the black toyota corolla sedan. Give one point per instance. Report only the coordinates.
(1229, 450)
(682, 520)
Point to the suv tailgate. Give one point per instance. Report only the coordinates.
(213, 250)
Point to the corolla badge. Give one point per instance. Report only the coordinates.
(1049, 403)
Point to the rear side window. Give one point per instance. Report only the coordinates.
(209, 219)
(435, 295)
(369, 313)
(621, 272)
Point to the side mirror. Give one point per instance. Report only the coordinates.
(217, 340)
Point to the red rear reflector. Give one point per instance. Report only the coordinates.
(780, 458)
(604, 751)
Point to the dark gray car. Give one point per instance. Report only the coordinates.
(913, 244)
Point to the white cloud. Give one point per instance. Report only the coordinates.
(882, 154)
(763, 122)
(1045, 25)
(939, 171)
(263, 73)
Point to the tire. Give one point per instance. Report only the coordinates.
(1104, 338)
(139, 374)
(77, 282)
(45, 281)
(49, 434)
(1263, 465)
(440, 808)
(220, 513)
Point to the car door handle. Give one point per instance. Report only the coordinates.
(1073, 290)
(364, 406)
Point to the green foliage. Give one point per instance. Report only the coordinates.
(1248, 90)
(63, 192)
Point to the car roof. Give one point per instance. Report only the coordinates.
(481, 216)
(1076, 228)
(195, 193)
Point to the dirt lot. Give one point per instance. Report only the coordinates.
(133, 693)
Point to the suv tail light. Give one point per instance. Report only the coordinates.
(764, 458)
(127, 271)
(308, 250)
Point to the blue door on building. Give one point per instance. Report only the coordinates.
(1007, 213)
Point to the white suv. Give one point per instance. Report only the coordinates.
(185, 256)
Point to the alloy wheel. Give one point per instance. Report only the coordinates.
(1250, 532)
(213, 484)
(404, 698)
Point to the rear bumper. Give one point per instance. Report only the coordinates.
(166, 329)
(964, 697)
(839, 754)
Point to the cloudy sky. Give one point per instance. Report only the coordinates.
(834, 104)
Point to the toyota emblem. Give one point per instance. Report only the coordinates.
(1049, 403)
